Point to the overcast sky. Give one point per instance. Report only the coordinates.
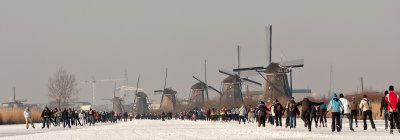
(102, 38)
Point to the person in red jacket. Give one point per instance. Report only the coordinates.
(392, 100)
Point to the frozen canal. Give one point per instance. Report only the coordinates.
(177, 129)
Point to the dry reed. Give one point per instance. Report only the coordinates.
(16, 116)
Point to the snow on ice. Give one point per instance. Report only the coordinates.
(177, 129)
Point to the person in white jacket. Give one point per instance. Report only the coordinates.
(272, 113)
(28, 118)
(345, 112)
(242, 113)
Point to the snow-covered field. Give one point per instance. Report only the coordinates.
(177, 129)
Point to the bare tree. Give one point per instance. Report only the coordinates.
(62, 87)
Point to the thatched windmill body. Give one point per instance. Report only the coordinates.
(197, 95)
(117, 103)
(232, 89)
(141, 105)
(168, 98)
(198, 91)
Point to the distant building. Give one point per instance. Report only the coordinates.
(154, 106)
(299, 94)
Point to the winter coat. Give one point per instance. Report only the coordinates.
(64, 114)
(365, 105)
(237, 111)
(392, 99)
(272, 112)
(346, 105)
(81, 115)
(291, 108)
(336, 105)
(354, 105)
(269, 108)
(278, 108)
(307, 104)
(27, 114)
(261, 110)
(384, 104)
(233, 111)
(46, 114)
(242, 111)
(313, 111)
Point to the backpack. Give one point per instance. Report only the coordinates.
(323, 107)
(291, 107)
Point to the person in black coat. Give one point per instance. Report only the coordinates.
(125, 115)
(46, 114)
(278, 108)
(306, 111)
(65, 118)
(261, 112)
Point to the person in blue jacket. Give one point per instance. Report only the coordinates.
(337, 108)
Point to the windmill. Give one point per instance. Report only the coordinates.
(276, 78)
(117, 105)
(93, 85)
(168, 99)
(197, 93)
(140, 102)
(231, 88)
(16, 103)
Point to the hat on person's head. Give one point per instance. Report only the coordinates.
(322, 101)
(334, 95)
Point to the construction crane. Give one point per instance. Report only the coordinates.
(93, 84)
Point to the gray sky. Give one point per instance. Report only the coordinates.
(102, 38)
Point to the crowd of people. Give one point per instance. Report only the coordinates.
(270, 113)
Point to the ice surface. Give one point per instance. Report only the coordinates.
(177, 129)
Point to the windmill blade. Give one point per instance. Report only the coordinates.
(219, 92)
(165, 84)
(115, 86)
(251, 81)
(251, 71)
(251, 84)
(207, 85)
(293, 63)
(157, 91)
(108, 100)
(199, 80)
(162, 98)
(166, 76)
(137, 87)
(227, 73)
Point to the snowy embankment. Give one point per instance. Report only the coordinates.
(177, 129)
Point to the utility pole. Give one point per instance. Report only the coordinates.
(240, 82)
(205, 77)
(331, 83)
(362, 85)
